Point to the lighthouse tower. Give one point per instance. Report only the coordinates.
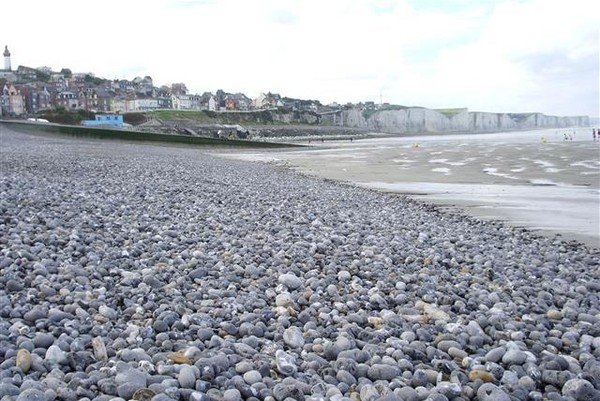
(7, 59)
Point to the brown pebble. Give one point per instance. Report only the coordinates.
(99, 349)
(179, 357)
(24, 360)
(457, 353)
(485, 376)
(375, 321)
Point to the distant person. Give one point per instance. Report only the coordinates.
(566, 137)
(594, 134)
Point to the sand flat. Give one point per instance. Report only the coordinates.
(533, 179)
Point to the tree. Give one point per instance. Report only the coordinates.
(66, 72)
(42, 76)
(93, 80)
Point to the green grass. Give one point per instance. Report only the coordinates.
(519, 117)
(451, 112)
(262, 117)
(198, 116)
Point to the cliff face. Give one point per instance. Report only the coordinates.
(412, 120)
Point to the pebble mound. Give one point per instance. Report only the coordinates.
(138, 272)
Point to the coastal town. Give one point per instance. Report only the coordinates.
(28, 91)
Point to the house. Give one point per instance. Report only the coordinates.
(67, 100)
(104, 96)
(220, 99)
(118, 104)
(78, 80)
(212, 103)
(267, 101)
(261, 102)
(125, 85)
(208, 102)
(59, 82)
(175, 102)
(164, 102)
(144, 86)
(13, 102)
(36, 99)
(88, 99)
(16, 101)
(145, 104)
(4, 105)
(230, 103)
(179, 89)
(44, 99)
(26, 74)
(130, 104)
(186, 102)
(243, 102)
(164, 91)
(8, 75)
(105, 120)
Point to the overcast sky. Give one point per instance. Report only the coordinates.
(496, 56)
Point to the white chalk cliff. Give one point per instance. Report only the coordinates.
(428, 120)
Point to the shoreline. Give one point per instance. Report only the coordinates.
(464, 171)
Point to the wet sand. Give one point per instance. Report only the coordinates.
(532, 179)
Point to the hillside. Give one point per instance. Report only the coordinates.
(390, 119)
(286, 122)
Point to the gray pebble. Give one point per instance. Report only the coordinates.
(31, 394)
(232, 395)
(491, 392)
(129, 381)
(252, 377)
(293, 337)
(514, 357)
(187, 377)
(291, 281)
(580, 390)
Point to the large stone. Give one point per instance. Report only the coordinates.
(293, 337)
(129, 381)
(31, 394)
(383, 372)
(491, 392)
(291, 281)
(24, 360)
(187, 377)
(286, 363)
(580, 390)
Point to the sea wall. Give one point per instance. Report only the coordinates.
(412, 120)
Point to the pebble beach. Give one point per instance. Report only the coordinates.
(145, 272)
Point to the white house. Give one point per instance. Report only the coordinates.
(212, 104)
